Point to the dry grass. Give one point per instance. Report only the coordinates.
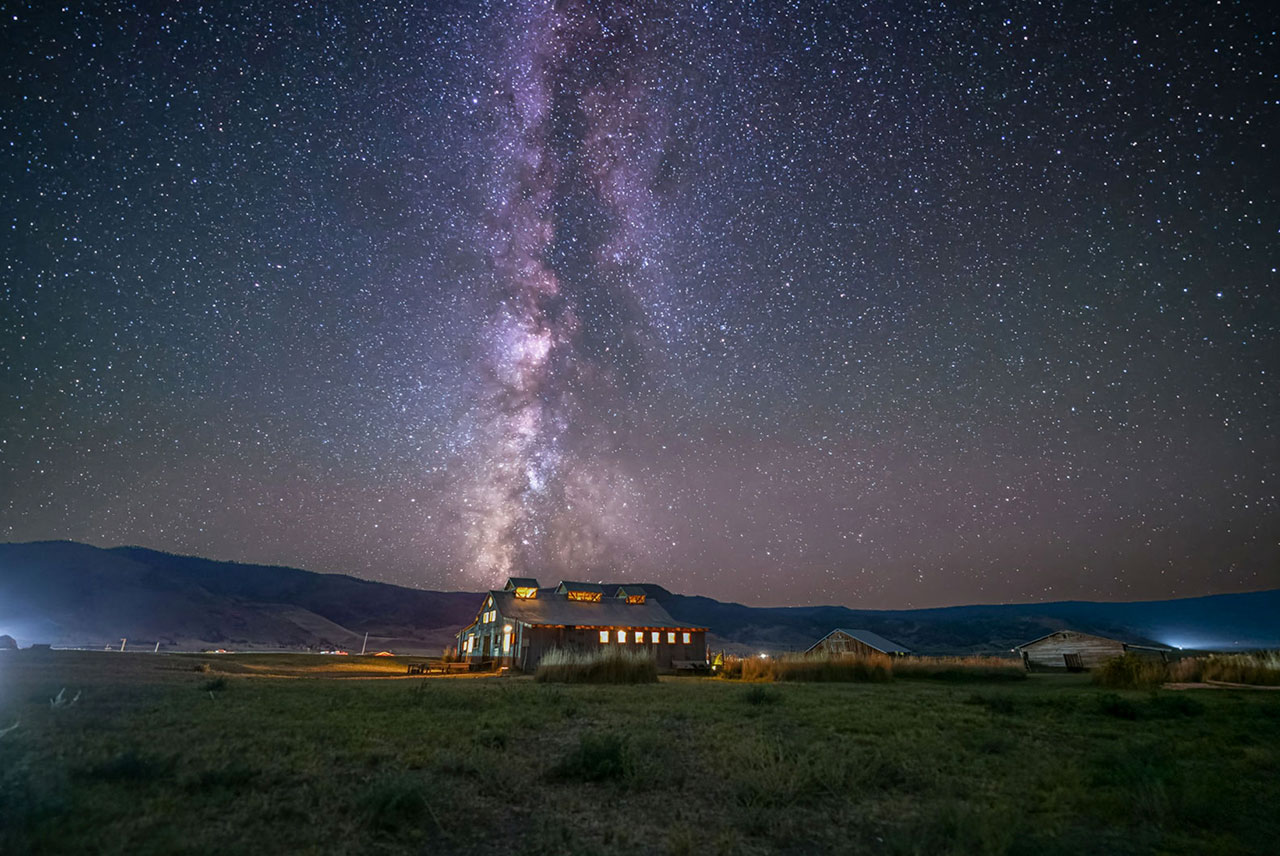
(877, 667)
(817, 668)
(1260, 667)
(1131, 672)
(960, 668)
(608, 666)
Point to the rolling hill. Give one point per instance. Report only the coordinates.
(76, 595)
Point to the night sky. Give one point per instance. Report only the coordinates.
(881, 304)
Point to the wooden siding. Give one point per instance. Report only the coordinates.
(842, 643)
(1051, 652)
(530, 643)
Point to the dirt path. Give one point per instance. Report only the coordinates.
(1216, 685)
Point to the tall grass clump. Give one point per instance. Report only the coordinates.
(606, 666)
(1131, 672)
(960, 668)
(1260, 668)
(821, 667)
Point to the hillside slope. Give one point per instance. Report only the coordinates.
(73, 594)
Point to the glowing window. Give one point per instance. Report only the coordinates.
(506, 641)
(622, 636)
(653, 637)
(671, 638)
(527, 593)
(639, 636)
(635, 598)
(588, 596)
(686, 638)
(604, 637)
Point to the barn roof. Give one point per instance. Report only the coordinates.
(571, 585)
(647, 589)
(520, 582)
(866, 637)
(551, 608)
(1127, 641)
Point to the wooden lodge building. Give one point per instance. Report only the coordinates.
(861, 642)
(1075, 651)
(516, 626)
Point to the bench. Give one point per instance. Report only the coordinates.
(449, 668)
(440, 668)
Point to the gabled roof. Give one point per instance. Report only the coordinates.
(630, 591)
(1126, 641)
(551, 608)
(570, 585)
(514, 583)
(866, 637)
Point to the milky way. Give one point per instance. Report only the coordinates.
(870, 303)
(572, 123)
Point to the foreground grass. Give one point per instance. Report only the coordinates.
(158, 758)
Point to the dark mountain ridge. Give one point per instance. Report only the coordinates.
(72, 594)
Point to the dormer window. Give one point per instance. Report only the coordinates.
(630, 594)
(584, 592)
(525, 588)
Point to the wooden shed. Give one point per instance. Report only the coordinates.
(519, 624)
(1074, 651)
(864, 642)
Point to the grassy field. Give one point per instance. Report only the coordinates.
(157, 757)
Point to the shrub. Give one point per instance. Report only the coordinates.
(606, 666)
(1131, 672)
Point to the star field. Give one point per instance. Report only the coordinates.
(879, 304)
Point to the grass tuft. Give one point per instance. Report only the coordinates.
(996, 704)
(131, 766)
(393, 802)
(596, 758)
(606, 666)
(1113, 705)
(760, 695)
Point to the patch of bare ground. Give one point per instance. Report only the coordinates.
(1215, 685)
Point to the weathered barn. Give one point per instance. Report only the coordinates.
(1076, 651)
(519, 624)
(863, 642)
